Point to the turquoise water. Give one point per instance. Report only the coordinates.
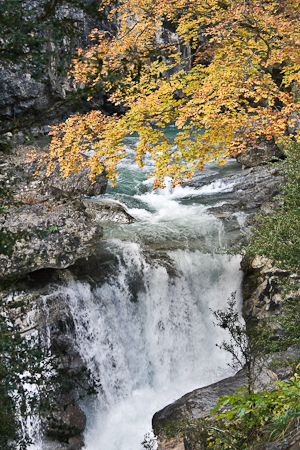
(147, 332)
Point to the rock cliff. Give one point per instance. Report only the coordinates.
(42, 223)
(183, 424)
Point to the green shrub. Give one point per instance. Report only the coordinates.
(278, 235)
(249, 418)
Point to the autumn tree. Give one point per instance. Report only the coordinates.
(243, 83)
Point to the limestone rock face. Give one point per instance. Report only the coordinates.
(44, 226)
(261, 152)
(29, 101)
(46, 236)
(262, 293)
(38, 187)
(246, 190)
(20, 93)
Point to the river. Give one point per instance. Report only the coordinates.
(147, 331)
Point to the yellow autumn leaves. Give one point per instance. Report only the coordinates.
(244, 58)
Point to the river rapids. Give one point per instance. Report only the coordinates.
(146, 332)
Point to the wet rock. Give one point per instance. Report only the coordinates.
(76, 443)
(184, 413)
(197, 403)
(68, 421)
(107, 212)
(182, 423)
(227, 209)
(247, 190)
(261, 152)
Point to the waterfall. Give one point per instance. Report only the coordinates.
(146, 332)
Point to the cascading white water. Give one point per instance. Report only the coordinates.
(147, 333)
(152, 348)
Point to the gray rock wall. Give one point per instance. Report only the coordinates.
(44, 225)
(264, 295)
(31, 96)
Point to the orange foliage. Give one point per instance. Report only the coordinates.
(248, 88)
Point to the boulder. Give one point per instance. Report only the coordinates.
(107, 212)
(42, 223)
(179, 425)
(196, 403)
(45, 236)
(260, 152)
(75, 184)
(75, 443)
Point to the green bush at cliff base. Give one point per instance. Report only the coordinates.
(247, 419)
(278, 235)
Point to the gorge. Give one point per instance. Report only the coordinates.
(147, 332)
(137, 313)
(111, 290)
